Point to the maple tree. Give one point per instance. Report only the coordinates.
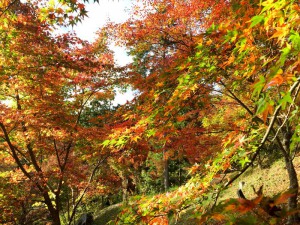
(258, 64)
(47, 83)
(62, 12)
(247, 59)
(160, 35)
(217, 84)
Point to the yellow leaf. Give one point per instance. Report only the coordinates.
(135, 138)
(229, 61)
(160, 84)
(209, 42)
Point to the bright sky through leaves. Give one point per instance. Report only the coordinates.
(98, 15)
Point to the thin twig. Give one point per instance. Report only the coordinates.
(7, 8)
(267, 133)
(288, 113)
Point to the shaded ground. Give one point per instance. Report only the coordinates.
(107, 214)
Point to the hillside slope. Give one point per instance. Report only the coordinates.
(274, 178)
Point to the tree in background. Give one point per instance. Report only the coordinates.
(160, 36)
(218, 83)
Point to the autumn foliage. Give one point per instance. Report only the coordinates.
(47, 83)
(216, 83)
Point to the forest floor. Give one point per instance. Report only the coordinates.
(273, 176)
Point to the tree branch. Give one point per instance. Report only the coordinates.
(264, 139)
(86, 188)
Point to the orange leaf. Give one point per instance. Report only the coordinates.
(277, 80)
(245, 205)
(258, 199)
(282, 198)
(180, 118)
(266, 112)
(218, 217)
(230, 207)
(80, 6)
(162, 220)
(209, 42)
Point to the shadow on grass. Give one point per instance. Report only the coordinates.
(108, 214)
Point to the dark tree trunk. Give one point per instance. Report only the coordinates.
(294, 187)
(54, 212)
(55, 218)
(180, 174)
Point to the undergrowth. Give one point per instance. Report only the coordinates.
(273, 177)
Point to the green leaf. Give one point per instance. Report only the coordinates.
(256, 20)
(261, 105)
(151, 132)
(244, 161)
(105, 143)
(295, 39)
(211, 29)
(121, 141)
(286, 99)
(295, 138)
(259, 86)
(284, 54)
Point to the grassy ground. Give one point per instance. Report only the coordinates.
(274, 179)
(107, 214)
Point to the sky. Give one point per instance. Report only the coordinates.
(98, 14)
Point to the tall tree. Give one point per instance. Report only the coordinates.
(160, 35)
(46, 84)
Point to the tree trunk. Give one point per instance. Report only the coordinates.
(294, 187)
(54, 212)
(180, 174)
(166, 172)
(124, 189)
(55, 217)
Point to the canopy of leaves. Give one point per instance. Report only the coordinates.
(212, 87)
(217, 84)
